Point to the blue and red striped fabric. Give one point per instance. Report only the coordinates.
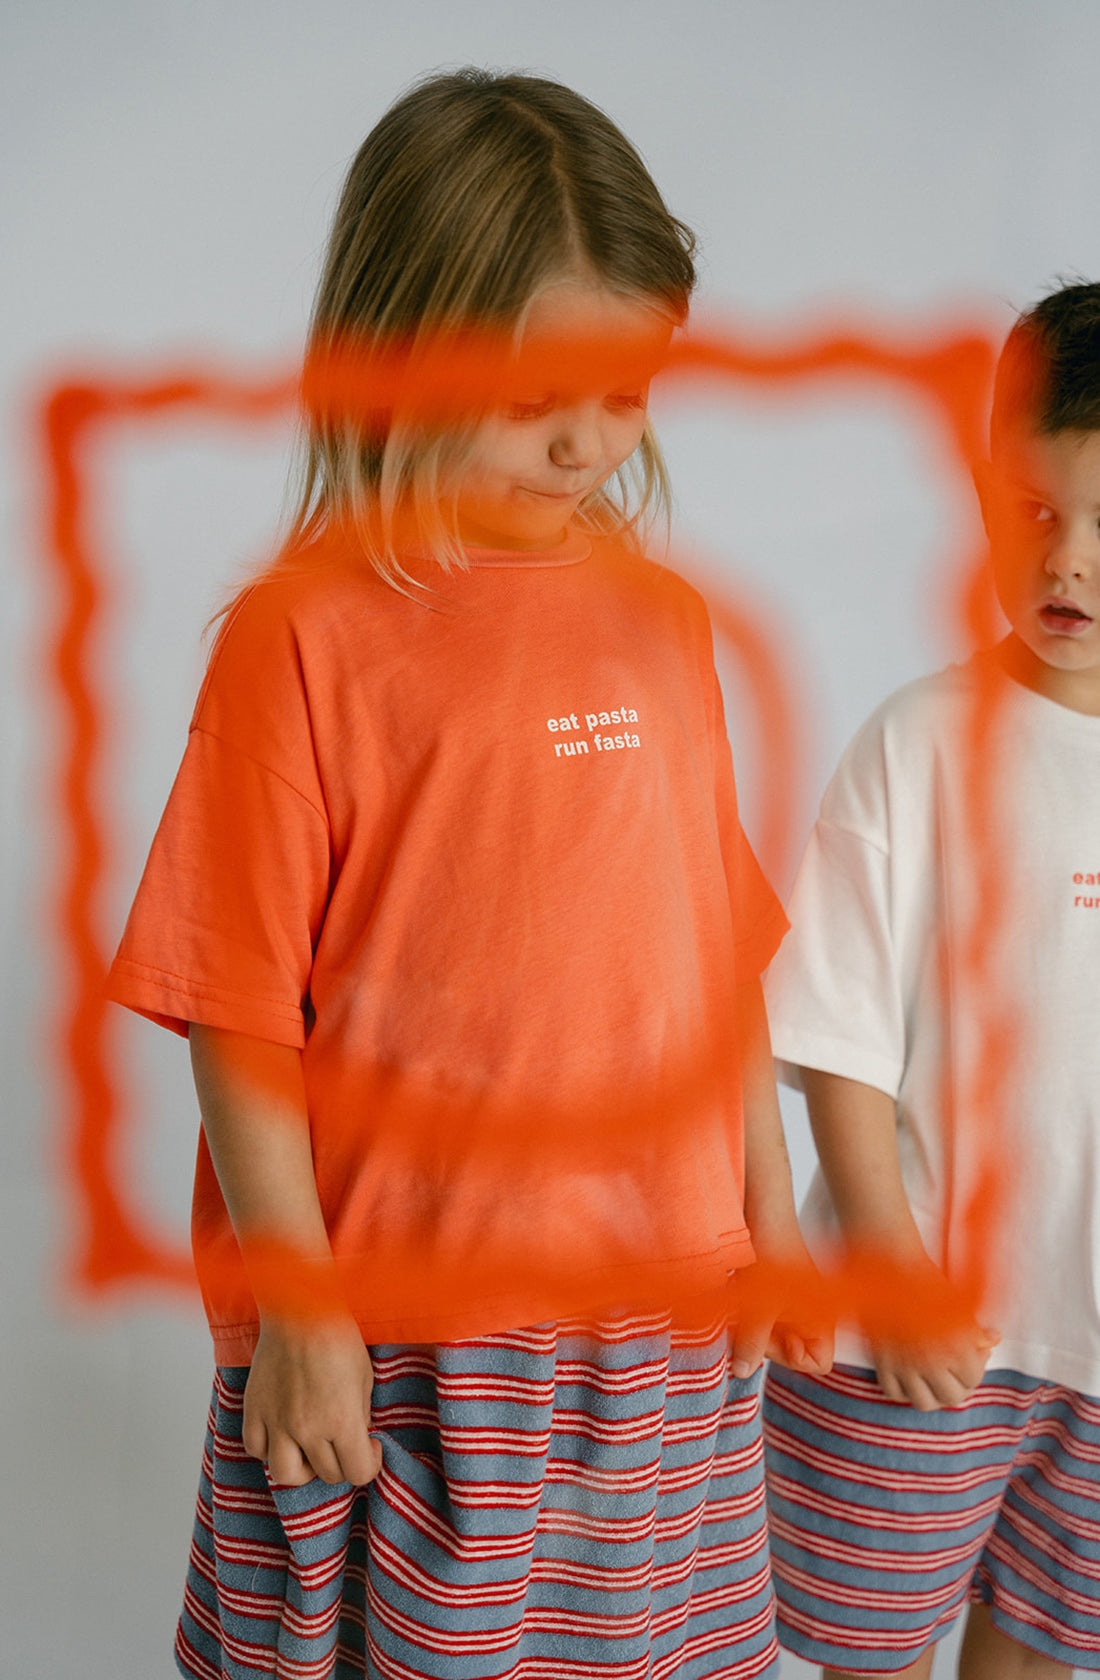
(555, 1504)
(885, 1520)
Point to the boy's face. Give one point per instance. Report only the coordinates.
(1041, 502)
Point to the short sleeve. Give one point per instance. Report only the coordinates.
(234, 893)
(833, 992)
(759, 923)
(231, 902)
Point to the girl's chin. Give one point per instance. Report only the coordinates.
(521, 520)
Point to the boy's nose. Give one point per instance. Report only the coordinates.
(1073, 554)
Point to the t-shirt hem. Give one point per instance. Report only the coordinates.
(752, 956)
(681, 1286)
(1049, 1365)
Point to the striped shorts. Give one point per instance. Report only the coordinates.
(884, 1520)
(554, 1503)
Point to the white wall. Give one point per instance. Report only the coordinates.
(171, 170)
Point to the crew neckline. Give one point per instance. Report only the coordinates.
(574, 548)
(1067, 718)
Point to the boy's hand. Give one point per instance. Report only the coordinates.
(941, 1356)
(307, 1404)
(929, 1349)
(934, 1374)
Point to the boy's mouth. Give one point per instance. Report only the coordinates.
(1063, 615)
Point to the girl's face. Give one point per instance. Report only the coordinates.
(536, 458)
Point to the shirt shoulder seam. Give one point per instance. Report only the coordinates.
(214, 735)
(846, 828)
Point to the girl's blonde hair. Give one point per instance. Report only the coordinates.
(473, 193)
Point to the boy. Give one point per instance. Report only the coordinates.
(908, 1480)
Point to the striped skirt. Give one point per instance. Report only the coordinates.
(554, 1503)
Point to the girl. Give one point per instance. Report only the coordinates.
(452, 900)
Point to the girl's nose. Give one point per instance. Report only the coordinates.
(577, 442)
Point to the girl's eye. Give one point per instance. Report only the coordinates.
(627, 399)
(531, 409)
(1037, 513)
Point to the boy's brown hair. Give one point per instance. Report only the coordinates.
(1048, 375)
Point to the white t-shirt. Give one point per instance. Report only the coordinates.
(877, 982)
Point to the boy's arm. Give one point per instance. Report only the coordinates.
(770, 1213)
(855, 1130)
(307, 1401)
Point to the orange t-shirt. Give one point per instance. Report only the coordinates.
(480, 859)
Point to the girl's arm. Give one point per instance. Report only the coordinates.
(798, 1341)
(307, 1401)
(855, 1129)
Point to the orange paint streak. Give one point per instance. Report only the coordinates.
(113, 1244)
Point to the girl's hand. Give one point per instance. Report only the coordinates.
(781, 1315)
(307, 1400)
(801, 1347)
(779, 1302)
(307, 1404)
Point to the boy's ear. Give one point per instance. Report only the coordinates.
(984, 484)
